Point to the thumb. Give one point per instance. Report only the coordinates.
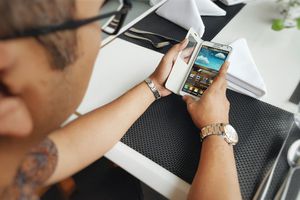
(173, 52)
(188, 100)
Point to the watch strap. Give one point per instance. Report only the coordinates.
(152, 87)
(213, 129)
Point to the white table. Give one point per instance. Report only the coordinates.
(278, 60)
(277, 54)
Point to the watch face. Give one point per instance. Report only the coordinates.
(231, 134)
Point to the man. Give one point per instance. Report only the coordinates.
(43, 78)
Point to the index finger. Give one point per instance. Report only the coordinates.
(220, 80)
(224, 68)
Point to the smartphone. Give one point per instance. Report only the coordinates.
(206, 65)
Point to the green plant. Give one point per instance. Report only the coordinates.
(290, 10)
(277, 24)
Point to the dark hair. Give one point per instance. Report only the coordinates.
(18, 15)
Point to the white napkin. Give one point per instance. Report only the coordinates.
(243, 75)
(232, 2)
(187, 13)
(209, 8)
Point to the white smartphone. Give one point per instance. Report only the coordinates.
(205, 66)
(183, 61)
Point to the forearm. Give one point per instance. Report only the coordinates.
(92, 135)
(216, 177)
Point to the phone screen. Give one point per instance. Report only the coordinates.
(205, 68)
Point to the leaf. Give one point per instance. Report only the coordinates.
(298, 23)
(277, 25)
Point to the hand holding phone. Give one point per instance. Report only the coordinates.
(213, 104)
(161, 73)
(196, 66)
(183, 61)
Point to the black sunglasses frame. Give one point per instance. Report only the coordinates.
(119, 17)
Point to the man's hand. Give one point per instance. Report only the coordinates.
(164, 68)
(213, 106)
(217, 167)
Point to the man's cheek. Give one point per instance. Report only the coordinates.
(15, 119)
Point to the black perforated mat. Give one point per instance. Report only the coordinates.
(166, 134)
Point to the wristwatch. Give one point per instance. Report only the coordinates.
(153, 88)
(225, 130)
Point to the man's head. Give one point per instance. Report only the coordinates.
(43, 79)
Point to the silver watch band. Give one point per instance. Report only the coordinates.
(222, 129)
(153, 88)
(213, 129)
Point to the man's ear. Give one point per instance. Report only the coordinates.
(15, 118)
